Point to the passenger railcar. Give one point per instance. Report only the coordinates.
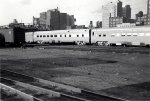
(59, 36)
(138, 36)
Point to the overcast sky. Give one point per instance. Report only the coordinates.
(83, 10)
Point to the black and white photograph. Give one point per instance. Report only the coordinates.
(74, 50)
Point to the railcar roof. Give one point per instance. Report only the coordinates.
(97, 29)
(121, 28)
(62, 31)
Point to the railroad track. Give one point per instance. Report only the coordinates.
(20, 86)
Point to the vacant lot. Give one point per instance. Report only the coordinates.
(88, 67)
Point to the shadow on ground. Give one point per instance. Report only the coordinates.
(137, 92)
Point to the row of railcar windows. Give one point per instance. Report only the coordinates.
(125, 34)
(56, 35)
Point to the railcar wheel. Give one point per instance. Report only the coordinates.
(124, 45)
(148, 46)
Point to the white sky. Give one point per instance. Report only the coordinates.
(83, 10)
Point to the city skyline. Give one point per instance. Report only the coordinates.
(83, 10)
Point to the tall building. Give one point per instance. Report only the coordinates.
(108, 10)
(54, 20)
(71, 20)
(148, 11)
(50, 20)
(36, 22)
(123, 11)
(141, 19)
(43, 18)
(99, 24)
(126, 11)
(123, 15)
(91, 24)
(63, 20)
(66, 21)
(119, 9)
(15, 21)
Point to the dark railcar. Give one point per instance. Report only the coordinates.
(13, 36)
(19, 36)
(8, 35)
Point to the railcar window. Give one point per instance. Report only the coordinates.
(55, 35)
(82, 35)
(47, 35)
(123, 34)
(69, 35)
(60, 35)
(100, 35)
(118, 34)
(40, 35)
(104, 35)
(128, 34)
(37, 35)
(77, 35)
(147, 34)
(65, 35)
(44, 35)
(93, 33)
(135, 34)
(141, 34)
(51, 35)
(112, 35)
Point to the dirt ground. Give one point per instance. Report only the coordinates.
(93, 68)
